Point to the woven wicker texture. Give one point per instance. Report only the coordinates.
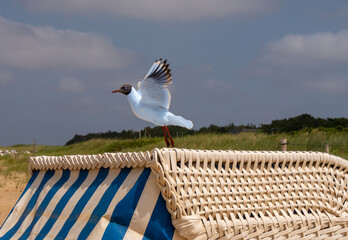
(77, 162)
(255, 195)
(238, 194)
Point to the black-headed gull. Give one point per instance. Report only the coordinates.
(151, 101)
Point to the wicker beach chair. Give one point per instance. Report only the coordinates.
(180, 193)
(255, 195)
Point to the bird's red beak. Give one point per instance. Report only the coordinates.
(115, 91)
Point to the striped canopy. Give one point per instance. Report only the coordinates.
(90, 204)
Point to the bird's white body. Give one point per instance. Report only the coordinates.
(154, 113)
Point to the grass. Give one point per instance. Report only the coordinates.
(300, 141)
(14, 168)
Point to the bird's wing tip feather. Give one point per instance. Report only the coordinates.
(160, 72)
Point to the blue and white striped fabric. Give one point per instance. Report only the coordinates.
(90, 204)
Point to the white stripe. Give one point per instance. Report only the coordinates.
(20, 206)
(69, 207)
(144, 210)
(127, 185)
(53, 203)
(92, 203)
(29, 218)
(132, 235)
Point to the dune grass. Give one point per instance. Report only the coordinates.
(299, 141)
(313, 141)
(15, 168)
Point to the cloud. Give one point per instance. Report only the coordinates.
(71, 85)
(34, 47)
(312, 49)
(6, 78)
(315, 62)
(158, 9)
(328, 84)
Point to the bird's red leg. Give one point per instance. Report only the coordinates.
(170, 137)
(165, 137)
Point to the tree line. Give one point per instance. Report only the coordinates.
(301, 122)
(158, 132)
(304, 122)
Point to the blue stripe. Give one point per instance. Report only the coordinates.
(31, 180)
(41, 209)
(160, 225)
(124, 210)
(61, 204)
(104, 203)
(69, 223)
(29, 206)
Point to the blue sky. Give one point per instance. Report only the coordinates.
(233, 61)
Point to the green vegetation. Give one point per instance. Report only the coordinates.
(303, 132)
(15, 168)
(304, 140)
(305, 122)
(158, 132)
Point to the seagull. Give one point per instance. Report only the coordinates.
(152, 99)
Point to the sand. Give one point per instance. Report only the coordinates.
(10, 191)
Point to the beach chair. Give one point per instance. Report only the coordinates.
(183, 194)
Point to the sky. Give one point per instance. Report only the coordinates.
(232, 61)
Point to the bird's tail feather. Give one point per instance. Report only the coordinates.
(180, 121)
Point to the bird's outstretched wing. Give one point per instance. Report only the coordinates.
(153, 88)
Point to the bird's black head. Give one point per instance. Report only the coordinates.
(125, 89)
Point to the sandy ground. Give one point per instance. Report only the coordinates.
(10, 191)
